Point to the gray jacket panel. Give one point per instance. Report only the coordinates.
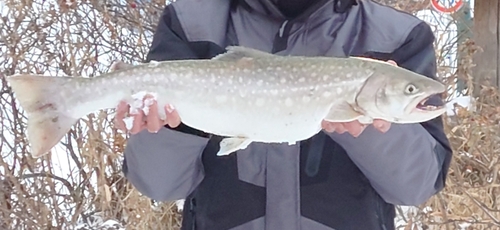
(164, 165)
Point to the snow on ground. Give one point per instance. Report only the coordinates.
(463, 101)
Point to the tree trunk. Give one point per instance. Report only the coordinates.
(486, 36)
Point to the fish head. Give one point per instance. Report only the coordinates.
(399, 95)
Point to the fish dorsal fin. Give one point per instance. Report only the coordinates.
(235, 53)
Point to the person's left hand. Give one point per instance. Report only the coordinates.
(355, 128)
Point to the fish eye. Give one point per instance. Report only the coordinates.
(410, 89)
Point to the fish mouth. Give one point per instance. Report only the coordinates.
(421, 107)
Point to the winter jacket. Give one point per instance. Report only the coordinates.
(330, 181)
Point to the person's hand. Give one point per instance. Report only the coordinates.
(355, 128)
(151, 121)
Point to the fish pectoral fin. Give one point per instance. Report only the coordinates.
(232, 144)
(346, 113)
(235, 53)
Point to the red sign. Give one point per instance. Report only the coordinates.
(447, 6)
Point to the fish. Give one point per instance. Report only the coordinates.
(244, 95)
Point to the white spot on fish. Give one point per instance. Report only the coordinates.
(260, 102)
(230, 81)
(302, 79)
(339, 90)
(240, 79)
(173, 76)
(306, 99)
(283, 80)
(260, 82)
(349, 75)
(221, 98)
(274, 92)
(314, 74)
(327, 94)
(288, 102)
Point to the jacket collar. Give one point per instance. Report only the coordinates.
(268, 7)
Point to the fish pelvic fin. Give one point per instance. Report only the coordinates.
(47, 124)
(232, 144)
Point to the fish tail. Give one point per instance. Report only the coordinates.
(47, 121)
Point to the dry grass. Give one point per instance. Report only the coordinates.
(81, 181)
(72, 38)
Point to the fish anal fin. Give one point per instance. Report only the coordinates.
(236, 53)
(232, 144)
(345, 112)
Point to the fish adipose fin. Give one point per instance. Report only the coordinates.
(232, 144)
(47, 124)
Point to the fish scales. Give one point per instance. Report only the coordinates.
(262, 98)
(245, 95)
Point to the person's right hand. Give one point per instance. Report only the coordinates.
(151, 122)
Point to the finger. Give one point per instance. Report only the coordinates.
(328, 126)
(381, 125)
(121, 110)
(355, 128)
(392, 62)
(340, 128)
(153, 121)
(173, 119)
(138, 123)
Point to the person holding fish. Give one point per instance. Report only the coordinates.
(348, 177)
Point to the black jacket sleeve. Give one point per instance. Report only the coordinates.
(170, 42)
(409, 163)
